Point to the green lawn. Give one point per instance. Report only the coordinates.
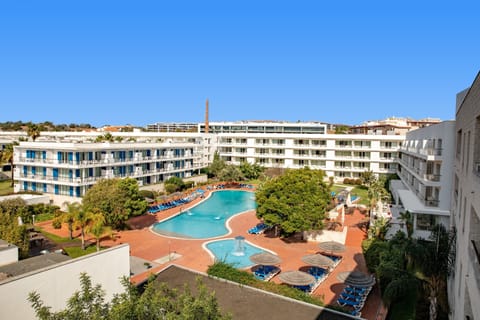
(58, 239)
(5, 187)
(44, 217)
(359, 191)
(75, 252)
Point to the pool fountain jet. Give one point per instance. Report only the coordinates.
(239, 249)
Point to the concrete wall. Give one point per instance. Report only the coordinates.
(57, 283)
(326, 235)
(8, 254)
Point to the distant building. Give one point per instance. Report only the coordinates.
(172, 127)
(296, 145)
(392, 126)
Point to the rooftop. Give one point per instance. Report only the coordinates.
(234, 298)
(32, 264)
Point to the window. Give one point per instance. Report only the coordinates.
(476, 150)
(426, 221)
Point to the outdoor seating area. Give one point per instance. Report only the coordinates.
(265, 268)
(336, 259)
(265, 273)
(355, 294)
(354, 297)
(258, 229)
(157, 207)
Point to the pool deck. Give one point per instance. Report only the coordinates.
(150, 246)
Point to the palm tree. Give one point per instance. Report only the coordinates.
(376, 192)
(7, 156)
(82, 219)
(70, 216)
(436, 262)
(407, 218)
(33, 131)
(97, 227)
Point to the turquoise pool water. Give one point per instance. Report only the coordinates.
(208, 218)
(223, 250)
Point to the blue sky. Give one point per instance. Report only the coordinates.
(140, 62)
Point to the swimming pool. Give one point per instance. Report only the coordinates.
(208, 218)
(224, 250)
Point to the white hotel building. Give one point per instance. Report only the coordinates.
(296, 145)
(70, 166)
(425, 171)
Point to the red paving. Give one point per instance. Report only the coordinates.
(150, 246)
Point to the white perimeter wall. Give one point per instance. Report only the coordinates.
(57, 283)
(8, 255)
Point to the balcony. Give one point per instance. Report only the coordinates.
(431, 202)
(432, 177)
(476, 168)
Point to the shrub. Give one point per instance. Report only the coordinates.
(146, 194)
(57, 223)
(372, 251)
(358, 182)
(347, 181)
(188, 184)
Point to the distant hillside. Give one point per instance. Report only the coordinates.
(44, 126)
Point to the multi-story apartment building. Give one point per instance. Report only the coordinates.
(296, 145)
(392, 125)
(425, 171)
(172, 127)
(464, 290)
(70, 168)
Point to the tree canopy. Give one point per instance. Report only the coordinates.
(10, 230)
(116, 199)
(217, 165)
(296, 201)
(251, 171)
(158, 301)
(231, 173)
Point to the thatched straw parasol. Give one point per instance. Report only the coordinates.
(318, 260)
(356, 278)
(296, 278)
(265, 259)
(331, 246)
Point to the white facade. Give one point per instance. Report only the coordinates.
(464, 289)
(425, 169)
(57, 283)
(339, 155)
(68, 169)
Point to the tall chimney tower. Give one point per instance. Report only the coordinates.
(206, 116)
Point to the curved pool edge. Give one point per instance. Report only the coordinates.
(227, 222)
(212, 256)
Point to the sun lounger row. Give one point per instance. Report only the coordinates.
(258, 229)
(265, 273)
(354, 297)
(168, 205)
(336, 259)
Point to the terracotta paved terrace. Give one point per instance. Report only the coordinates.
(151, 246)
